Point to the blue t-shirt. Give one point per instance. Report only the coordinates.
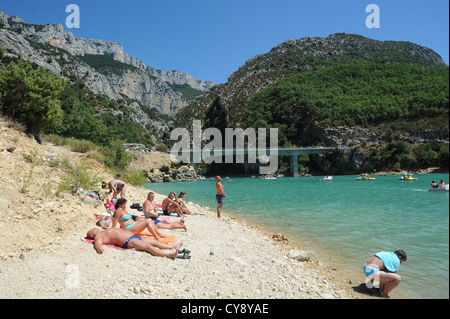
(390, 260)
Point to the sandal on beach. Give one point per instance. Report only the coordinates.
(185, 256)
(184, 251)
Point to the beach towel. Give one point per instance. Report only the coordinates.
(91, 241)
(93, 195)
(168, 240)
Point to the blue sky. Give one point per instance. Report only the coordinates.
(210, 39)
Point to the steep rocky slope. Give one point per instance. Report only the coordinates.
(229, 104)
(231, 99)
(60, 51)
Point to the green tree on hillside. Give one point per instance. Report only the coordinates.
(362, 94)
(89, 116)
(31, 96)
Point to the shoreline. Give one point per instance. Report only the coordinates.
(320, 262)
(316, 264)
(430, 170)
(42, 255)
(345, 276)
(222, 250)
(349, 273)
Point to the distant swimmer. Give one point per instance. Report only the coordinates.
(219, 196)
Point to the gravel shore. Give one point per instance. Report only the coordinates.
(42, 254)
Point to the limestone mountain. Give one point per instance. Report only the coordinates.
(230, 100)
(343, 90)
(103, 66)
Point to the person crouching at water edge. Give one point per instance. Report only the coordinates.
(126, 221)
(128, 240)
(381, 271)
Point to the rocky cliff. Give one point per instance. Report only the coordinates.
(103, 66)
(230, 102)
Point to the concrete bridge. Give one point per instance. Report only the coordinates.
(293, 152)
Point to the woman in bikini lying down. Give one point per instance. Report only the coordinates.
(132, 223)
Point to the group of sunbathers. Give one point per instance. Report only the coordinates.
(127, 236)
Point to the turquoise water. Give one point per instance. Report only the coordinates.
(349, 219)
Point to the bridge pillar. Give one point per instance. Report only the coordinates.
(193, 161)
(294, 165)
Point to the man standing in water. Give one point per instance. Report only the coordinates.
(220, 195)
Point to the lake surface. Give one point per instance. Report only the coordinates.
(347, 220)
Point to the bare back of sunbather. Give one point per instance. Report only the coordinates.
(117, 236)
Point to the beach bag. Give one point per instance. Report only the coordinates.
(135, 206)
(105, 220)
(111, 206)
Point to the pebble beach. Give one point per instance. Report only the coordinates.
(42, 255)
